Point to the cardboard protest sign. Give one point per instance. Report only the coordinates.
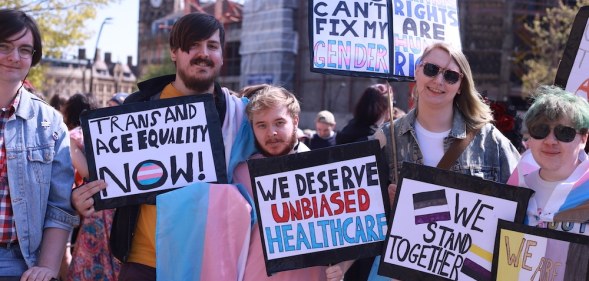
(417, 24)
(321, 207)
(144, 149)
(377, 38)
(444, 224)
(530, 253)
(573, 70)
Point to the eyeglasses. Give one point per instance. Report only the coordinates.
(432, 70)
(561, 132)
(25, 52)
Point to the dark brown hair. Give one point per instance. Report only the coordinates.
(15, 22)
(372, 105)
(194, 27)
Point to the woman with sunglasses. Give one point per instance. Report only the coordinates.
(448, 109)
(557, 122)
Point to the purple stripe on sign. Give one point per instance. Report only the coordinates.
(475, 271)
(557, 252)
(443, 216)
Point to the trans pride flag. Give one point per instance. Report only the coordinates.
(210, 244)
(570, 199)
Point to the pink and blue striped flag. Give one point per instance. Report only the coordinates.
(203, 233)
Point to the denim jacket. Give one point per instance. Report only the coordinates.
(490, 155)
(40, 173)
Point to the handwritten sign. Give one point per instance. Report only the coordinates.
(321, 207)
(350, 37)
(417, 24)
(530, 253)
(144, 149)
(378, 38)
(444, 224)
(573, 71)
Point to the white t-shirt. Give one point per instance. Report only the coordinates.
(547, 201)
(431, 144)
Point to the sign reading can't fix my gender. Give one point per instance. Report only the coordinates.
(378, 38)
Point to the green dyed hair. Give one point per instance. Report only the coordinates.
(553, 103)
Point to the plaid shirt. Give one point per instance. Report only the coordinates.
(7, 228)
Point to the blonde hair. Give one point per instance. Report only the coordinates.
(265, 96)
(469, 101)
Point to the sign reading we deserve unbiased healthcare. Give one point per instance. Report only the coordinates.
(378, 38)
(321, 207)
(144, 149)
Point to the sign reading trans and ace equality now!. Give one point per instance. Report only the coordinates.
(444, 224)
(321, 207)
(377, 38)
(144, 149)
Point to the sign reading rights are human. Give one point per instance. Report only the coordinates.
(144, 149)
(378, 38)
(321, 207)
(417, 24)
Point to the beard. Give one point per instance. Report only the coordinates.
(291, 143)
(199, 84)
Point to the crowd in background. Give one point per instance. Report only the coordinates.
(260, 121)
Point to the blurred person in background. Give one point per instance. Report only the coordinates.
(57, 102)
(324, 131)
(91, 256)
(117, 99)
(370, 113)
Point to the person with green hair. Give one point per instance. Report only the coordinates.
(557, 122)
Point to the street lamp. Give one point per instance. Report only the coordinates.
(105, 21)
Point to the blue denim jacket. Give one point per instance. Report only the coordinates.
(490, 155)
(40, 173)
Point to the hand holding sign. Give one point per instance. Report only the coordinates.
(82, 197)
(143, 149)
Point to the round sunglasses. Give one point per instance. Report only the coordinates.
(432, 70)
(561, 132)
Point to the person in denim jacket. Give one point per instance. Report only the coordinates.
(36, 172)
(448, 105)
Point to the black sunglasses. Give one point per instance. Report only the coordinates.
(432, 70)
(561, 132)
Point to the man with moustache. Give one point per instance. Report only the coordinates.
(196, 48)
(274, 115)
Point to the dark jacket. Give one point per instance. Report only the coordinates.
(354, 132)
(125, 219)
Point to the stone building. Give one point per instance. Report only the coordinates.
(268, 40)
(66, 77)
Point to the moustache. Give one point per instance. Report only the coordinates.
(196, 61)
(273, 141)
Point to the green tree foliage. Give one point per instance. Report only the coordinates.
(549, 36)
(62, 24)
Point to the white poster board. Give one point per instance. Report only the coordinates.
(143, 149)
